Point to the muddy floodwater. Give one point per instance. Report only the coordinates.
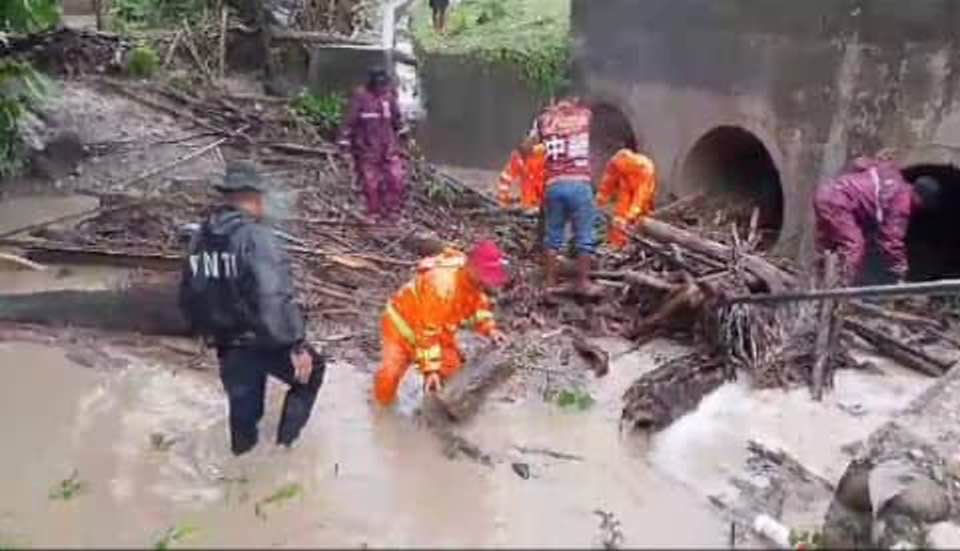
(146, 450)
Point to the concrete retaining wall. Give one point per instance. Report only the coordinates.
(476, 112)
(815, 81)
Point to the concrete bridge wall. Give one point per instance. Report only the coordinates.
(815, 82)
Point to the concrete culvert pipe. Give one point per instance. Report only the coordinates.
(610, 131)
(933, 240)
(735, 171)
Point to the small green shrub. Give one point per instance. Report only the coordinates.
(21, 88)
(322, 111)
(143, 62)
(69, 488)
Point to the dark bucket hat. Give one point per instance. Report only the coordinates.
(240, 176)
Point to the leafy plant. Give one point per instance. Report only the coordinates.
(28, 15)
(69, 488)
(572, 399)
(143, 62)
(323, 111)
(20, 86)
(173, 536)
(282, 495)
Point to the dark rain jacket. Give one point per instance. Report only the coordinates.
(372, 125)
(238, 272)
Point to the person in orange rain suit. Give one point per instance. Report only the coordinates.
(526, 168)
(631, 177)
(422, 318)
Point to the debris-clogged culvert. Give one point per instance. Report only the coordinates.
(933, 241)
(730, 161)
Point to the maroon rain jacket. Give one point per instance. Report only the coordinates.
(870, 198)
(372, 125)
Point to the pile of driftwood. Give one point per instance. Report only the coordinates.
(773, 346)
(67, 51)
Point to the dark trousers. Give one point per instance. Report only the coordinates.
(243, 371)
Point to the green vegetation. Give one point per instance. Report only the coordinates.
(69, 488)
(173, 536)
(143, 62)
(142, 14)
(282, 495)
(579, 400)
(24, 16)
(325, 112)
(21, 88)
(533, 35)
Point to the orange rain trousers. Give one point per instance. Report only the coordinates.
(399, 355)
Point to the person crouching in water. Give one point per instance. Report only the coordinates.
(870, 200)
(422, 318)
(236, 291)
(372, 132)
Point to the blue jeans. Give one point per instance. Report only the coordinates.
(570, 200)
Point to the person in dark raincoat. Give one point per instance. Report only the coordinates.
(237, 291)
(869, 200)
(372, 133)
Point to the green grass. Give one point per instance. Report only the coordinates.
(173, 536)
(525, 26)
(284, 494)
(533, 35)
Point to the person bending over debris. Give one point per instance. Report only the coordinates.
(237, 291)
(630, 177)
(564, 130)
(439, 9)
(421, 320)
(526, 171)
(872, 200)
(371, 132)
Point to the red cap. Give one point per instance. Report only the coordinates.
(487, 262)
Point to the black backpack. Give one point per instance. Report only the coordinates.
(210, 296)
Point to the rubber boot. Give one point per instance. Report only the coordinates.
(550, 262)
(583, 285)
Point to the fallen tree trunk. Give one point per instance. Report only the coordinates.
(465, 392)
(903, 354)
(59, 254)
(658, 398)
(147, 309)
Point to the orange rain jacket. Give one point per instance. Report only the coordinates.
(421, 321)
(631, 177)
(529, 174)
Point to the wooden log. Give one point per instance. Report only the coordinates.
(19, 263)
(597, 359)
(661, 396)
(905, 355)
(775, 279)
(148, 309)
(824, 328)
(465, 392)
(61, 254)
